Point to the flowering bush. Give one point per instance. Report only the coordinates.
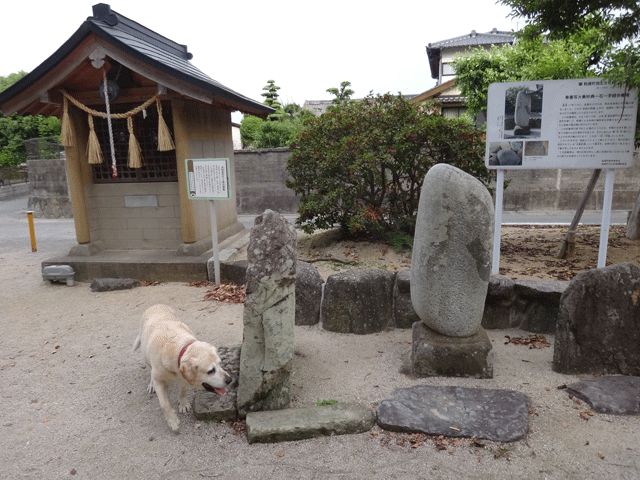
(361, 165)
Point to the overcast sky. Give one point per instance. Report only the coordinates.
(305, 46)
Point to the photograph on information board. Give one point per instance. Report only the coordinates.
(583, 123)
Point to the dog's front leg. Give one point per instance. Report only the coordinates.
(162, 391)
(183, 405)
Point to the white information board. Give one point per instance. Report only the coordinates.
(579, 123)
(208, 178)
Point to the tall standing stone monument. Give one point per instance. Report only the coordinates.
(522, 113)
(450, 270)
(269, 316)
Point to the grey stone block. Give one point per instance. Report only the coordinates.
(308, 294)
(501, 296)
(599, 323)
(617, 395)
(358, 301)
(404, 315)
(110, 284)
(309, 422)
(234, 272)
(435, 355)
(496, 415)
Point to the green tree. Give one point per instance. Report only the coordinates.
(361, 164)
(529, 59)
(619, 24)
(280, 127)
(342, 94)
(15, 129)
(6, 82)
(617, 19)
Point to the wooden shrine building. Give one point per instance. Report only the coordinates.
(126, 166)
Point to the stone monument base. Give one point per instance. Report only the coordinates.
(435, 355)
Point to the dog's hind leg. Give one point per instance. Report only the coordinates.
(163, 397)
(136, 344)
(183, 405)
(150, 388)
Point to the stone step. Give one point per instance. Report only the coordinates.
(301, 423)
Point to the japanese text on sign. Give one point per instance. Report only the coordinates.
(208, 178)
(585, 123)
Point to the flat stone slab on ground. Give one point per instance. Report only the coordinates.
(496, 415)
(309, 422)
(616, 394)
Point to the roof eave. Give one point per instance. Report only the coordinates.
(237, 101)
(227, 98)
(42, 69)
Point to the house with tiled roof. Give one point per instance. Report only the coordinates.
(133, 109)
(441, 55)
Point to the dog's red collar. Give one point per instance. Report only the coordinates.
(184, 349)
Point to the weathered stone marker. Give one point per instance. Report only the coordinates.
(522, 113)
(269, 315)
(451, 258)
(451, 264)
(598, 327)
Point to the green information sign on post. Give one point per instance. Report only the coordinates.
(209, 179)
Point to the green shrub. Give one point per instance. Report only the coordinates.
(361, 165)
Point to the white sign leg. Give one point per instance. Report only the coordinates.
(606, 217)
(497, 227)
(214, 240)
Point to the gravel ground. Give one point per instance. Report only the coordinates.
(75, 405)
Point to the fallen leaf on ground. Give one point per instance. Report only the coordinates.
(226, 293)
(534, 341)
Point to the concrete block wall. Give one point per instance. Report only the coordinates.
(563, 189)
(12, 191)
(135, 216)
(260, 181)
(260, 176)
(49, 189)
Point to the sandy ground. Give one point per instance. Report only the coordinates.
(75, 405)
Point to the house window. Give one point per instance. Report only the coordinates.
(447, 69)
(157, 166)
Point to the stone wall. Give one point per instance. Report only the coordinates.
(531, 305)
(48, 189)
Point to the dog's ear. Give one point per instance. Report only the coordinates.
(188, 371)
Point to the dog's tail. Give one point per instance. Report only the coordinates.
(136, 344)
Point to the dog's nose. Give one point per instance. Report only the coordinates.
(228, 380)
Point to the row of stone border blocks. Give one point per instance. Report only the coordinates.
(365, 301)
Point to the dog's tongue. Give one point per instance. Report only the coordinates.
(220, 391)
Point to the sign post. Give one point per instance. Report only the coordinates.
(208, 179)
(579, 123)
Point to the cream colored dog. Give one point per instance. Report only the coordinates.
(174, 355)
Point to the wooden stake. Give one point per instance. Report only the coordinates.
(562, 253)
